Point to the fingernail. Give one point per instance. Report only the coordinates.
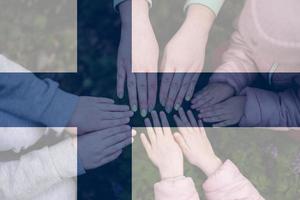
(168, 109)
(134, 108)
(177, 106)
(187, 98)
(120, 95)
(143, 113)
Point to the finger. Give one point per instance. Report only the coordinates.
(121, 77)
(178, 121)
(199, 95)
(192, 119)
(224, 123)
(181, 142)
(184, 118)
(105, 100)
(118, 146)
(190, 91)
(150, 131)
(110, 123)
(146, 144)
(110, 158)
(209, 114)
(173, 91)
(142, 93)
(115, 139)
(165, 124)
(116, 115)
(164, 88)
(152, 91)
(156, 123)
(112, 107)
(112, 131)
(183, 90)
(131, 85)
(214, 119)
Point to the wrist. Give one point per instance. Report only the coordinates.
(212, 166)
(171, 173)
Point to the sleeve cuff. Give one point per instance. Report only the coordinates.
(64, 157)
(214, 5)
(118, 2)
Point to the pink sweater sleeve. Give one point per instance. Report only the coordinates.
(227, 183)
(182, 188)
(238, 68)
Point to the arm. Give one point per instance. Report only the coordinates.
(26, 96)
(224, 179)
(229, 183)
(183, 57)
(37, 171)
(238, 69)
(269, 109)
(165, 154)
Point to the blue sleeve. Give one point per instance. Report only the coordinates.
(40, 101)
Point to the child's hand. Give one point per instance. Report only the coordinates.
(161, 147)
(195, 144)
(226, 113)
(138, 52)
(101, 147)
(94, 114)
(212, 94)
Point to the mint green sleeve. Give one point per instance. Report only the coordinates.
(117, 2)
(214, 5)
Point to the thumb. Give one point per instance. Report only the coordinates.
(181, 142)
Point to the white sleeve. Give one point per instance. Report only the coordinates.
(37, 171)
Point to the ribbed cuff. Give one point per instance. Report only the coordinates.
(214, 5)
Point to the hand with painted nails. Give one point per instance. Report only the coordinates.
(212, 94)
(93, 114)
(138, 52)
(101, 147)
(226, 113)
(161, 147)
(195, 144)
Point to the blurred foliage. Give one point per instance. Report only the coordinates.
(39, 34)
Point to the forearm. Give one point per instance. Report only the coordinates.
(131, 10)
(200, 17)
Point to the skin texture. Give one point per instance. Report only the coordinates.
(194, 143)
(101, 147)
(225, 113)
(212, 94)
(103, 111)
(184, 56)
(138, 52)
(177, 57)
(161, 147)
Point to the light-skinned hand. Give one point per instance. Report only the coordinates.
(93, 113)
(194, 143)
(226, 113)
(212, 94)
(161, 147)
(183, 58)
(138, 52)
